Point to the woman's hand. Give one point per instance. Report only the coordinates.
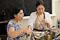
(30, 28)
(45, 20)
(27, 30)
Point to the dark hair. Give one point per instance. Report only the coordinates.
(14, 11)
(39, 2)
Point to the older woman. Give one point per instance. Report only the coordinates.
(15, 30)
(40, 19)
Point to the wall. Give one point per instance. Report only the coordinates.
(24, 22)
(57, 12)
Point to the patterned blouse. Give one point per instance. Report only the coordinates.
(16, 26)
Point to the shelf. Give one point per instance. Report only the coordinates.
(5, 21)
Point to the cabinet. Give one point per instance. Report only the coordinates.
(3, 30)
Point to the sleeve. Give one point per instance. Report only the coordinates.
(31, 20)
(49, 19)
(9, 25)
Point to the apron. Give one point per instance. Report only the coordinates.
(39, 25)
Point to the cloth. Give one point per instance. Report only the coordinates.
(33, 17)
(16, 26)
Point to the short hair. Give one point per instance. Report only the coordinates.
(15, 11)
(39, 2)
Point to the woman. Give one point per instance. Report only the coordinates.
(40, 19)
(15, 30)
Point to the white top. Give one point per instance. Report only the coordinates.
(33, 17)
